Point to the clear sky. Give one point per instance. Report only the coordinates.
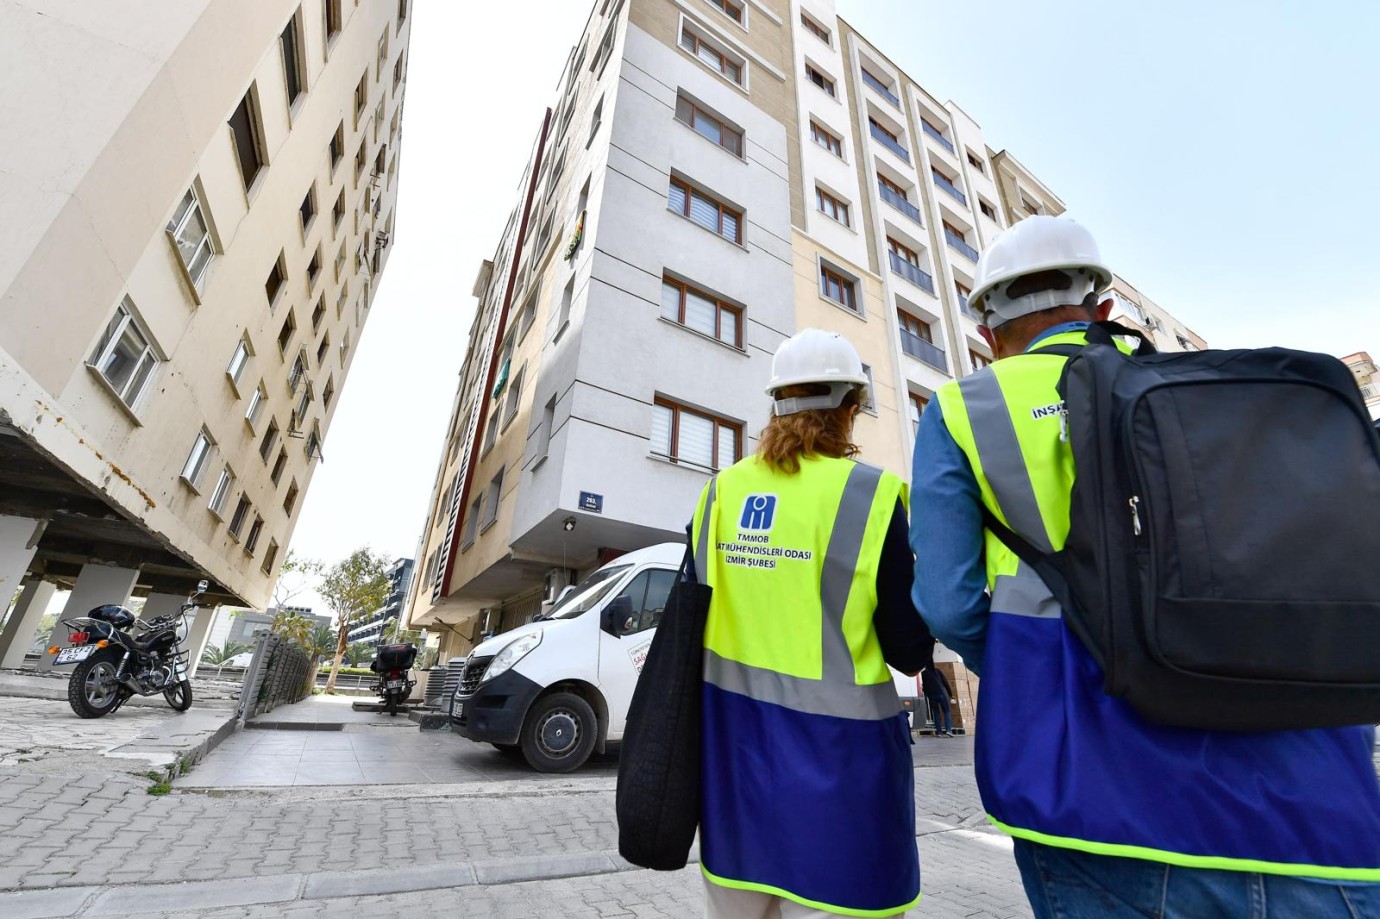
(1226, 155)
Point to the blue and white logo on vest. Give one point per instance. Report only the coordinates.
(758, 512)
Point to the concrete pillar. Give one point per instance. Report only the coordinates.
(23, 622)
(18, 542)
(199, 629)
(156, 605)
(96, 586)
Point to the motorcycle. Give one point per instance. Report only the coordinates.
(393, 664)
(113, 665)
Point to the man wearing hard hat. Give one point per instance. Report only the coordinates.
(1112, 815)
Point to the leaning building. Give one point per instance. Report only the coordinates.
(199, 203)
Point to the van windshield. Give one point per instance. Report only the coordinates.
(588, 594)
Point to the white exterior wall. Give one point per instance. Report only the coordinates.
(618, 354)
(130, 113)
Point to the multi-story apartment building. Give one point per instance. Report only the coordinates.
(1367, 378)
(200, 201)
(372, 629)
(713, 176)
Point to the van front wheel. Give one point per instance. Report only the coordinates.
(559, 733)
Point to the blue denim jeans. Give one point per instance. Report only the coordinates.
(1067, 884)
(939, 705)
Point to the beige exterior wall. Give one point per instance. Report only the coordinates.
(1367, 378)
(127, 111)
(878, 431)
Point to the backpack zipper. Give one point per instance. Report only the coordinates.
(1135, 514)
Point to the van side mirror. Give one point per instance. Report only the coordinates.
(618, 611)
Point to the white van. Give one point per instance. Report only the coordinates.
(558, 689)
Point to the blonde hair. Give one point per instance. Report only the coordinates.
(814, 432)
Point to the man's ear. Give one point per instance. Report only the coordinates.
(988, 337)
(1103, 310)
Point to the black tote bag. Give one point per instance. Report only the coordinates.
(658, 797)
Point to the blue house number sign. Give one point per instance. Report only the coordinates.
(591, 502)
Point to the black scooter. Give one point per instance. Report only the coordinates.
(113, 665)
(393, 664)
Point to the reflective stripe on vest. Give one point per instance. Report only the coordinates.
(836, 691)
(1067, 765)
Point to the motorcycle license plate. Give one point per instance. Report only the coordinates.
(459, 710)
(74, 655)
(394, 684)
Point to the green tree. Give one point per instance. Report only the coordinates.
(217, 657)
(359, 653)
(293, 626)
(353, 588)
(320, 643)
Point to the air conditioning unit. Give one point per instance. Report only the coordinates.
(557, 579)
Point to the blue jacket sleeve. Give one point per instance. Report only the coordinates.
(946, 535)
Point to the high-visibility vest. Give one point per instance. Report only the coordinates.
(808, 785)
(1061, 762)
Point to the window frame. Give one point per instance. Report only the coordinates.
(684, 288)
(728, 7)
(821, 80)
(237, 518)
(846, 285)
(134, 390)
(689, 192)
(726, 130)
(253, 143)
(918, 403)
(816, 29)
(220, 494)
(830, 142)
(198, 460)
(677, 409)
(244, 350)
(726, 59)
(826, 202)
(293, 71)
(257, 399)
(177, 225)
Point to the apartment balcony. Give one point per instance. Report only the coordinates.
(923, 351)
(890, 144)
(967, 309)
(949, 187)
(960, 245)
(931, 131)
(1369, 392)
(911, 273)
(881, 89)
(900, 203)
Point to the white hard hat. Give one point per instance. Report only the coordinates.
(1037, 243)
(815, 356)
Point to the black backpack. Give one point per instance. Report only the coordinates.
(1223, 557)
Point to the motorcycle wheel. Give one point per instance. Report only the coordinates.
(179, 695)
(92, 690)
(392, 703)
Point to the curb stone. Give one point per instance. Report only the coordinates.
(145, 898)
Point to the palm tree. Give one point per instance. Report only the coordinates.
(320, 643)
(358, 653)
(218, 657)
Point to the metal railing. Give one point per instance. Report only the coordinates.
(890, 144)
(912, 273)
(881, 88)
(932, 131)
(966, 308)
(923, 351)
(957, 242)
(949, 187)
(900, 203)
(1369, 392)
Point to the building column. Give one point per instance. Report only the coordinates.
(156, 604)
(23, 622)
(97, 585)
(198, 631)
(18, 542)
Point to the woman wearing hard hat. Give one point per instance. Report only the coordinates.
(808, 786)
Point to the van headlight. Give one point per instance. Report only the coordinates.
(514, 651)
